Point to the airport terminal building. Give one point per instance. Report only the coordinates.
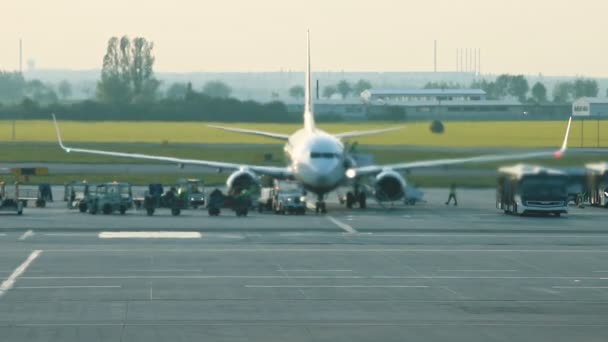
(594, 107)
(430, 104)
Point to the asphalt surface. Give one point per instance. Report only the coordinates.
(425, 273)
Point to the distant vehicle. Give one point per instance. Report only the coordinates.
(215, 203)
(9, 198)
(40, 194)
(598, 184)
(523, 189)
(287, 197)
(172, 199)
(194, 192)
(77, 195)
(109, 198)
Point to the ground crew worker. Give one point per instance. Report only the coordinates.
(452, 195)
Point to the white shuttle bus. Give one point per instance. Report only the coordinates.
(598, 184)
(525, 189)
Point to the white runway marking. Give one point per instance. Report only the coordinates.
(150, 235)
(477, 271)
(26, 235)
(342, 225)
(10, 281)
(340, 286)
(305, 270)
(580, 287)
(322, 250)
(330, 277)
(69, 287)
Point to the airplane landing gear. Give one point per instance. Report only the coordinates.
(358, 197)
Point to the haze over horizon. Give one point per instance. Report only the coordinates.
(540, 37)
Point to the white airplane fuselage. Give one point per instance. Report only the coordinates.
(317, 160)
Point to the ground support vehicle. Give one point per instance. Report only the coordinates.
(193, 191)
(240, 203)
(172, 199)
(77, 195)
(109, 198)
(215, 202)
(265, 199)
(39, 194)
(9, 198)
(285, 197)
(524, 189)
(598, 184)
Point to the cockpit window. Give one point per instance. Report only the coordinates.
(324, 155)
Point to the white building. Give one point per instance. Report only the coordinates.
(591, 107)
(394, 96)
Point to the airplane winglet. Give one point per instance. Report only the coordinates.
(562, 150)
(59, 140)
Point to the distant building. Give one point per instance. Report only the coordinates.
(590, 106)
(395, 96)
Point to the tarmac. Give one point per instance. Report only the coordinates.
(428, 272)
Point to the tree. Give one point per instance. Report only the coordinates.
(585, 88)
(217, 89)
(501, 86)
(539, 93)
(563, 92)
(296, 92)
(343, 88)
(65, 89)
(361, 86)
(127, 74)
(177, 91)
(12, 87)
(329, 91)
(40, 92)
(518, 87)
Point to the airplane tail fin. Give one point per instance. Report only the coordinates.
(309, 118)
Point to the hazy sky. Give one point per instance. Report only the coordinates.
(552, 37)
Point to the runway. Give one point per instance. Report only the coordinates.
(426, 272)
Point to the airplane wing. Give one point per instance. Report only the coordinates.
(279, 172)
(355, 134)
(375, 169)
(271, 135)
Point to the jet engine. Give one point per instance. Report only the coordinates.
(389, 186)
(240, 180)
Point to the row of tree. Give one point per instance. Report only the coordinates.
(343, 88)
(517, 86)
(14, 88)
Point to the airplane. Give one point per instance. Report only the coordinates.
(321, 162)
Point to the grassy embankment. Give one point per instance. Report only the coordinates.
(35, 142)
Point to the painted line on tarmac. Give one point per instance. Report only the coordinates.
(341, 286)
(10, 281)
(320, 250)
(342, 225)
(328, 277)
(581, 287)
(68, 287)
(26, 235)
(305, 270)
(150, 235)
(477, 271)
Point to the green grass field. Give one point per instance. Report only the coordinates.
(457, 134)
